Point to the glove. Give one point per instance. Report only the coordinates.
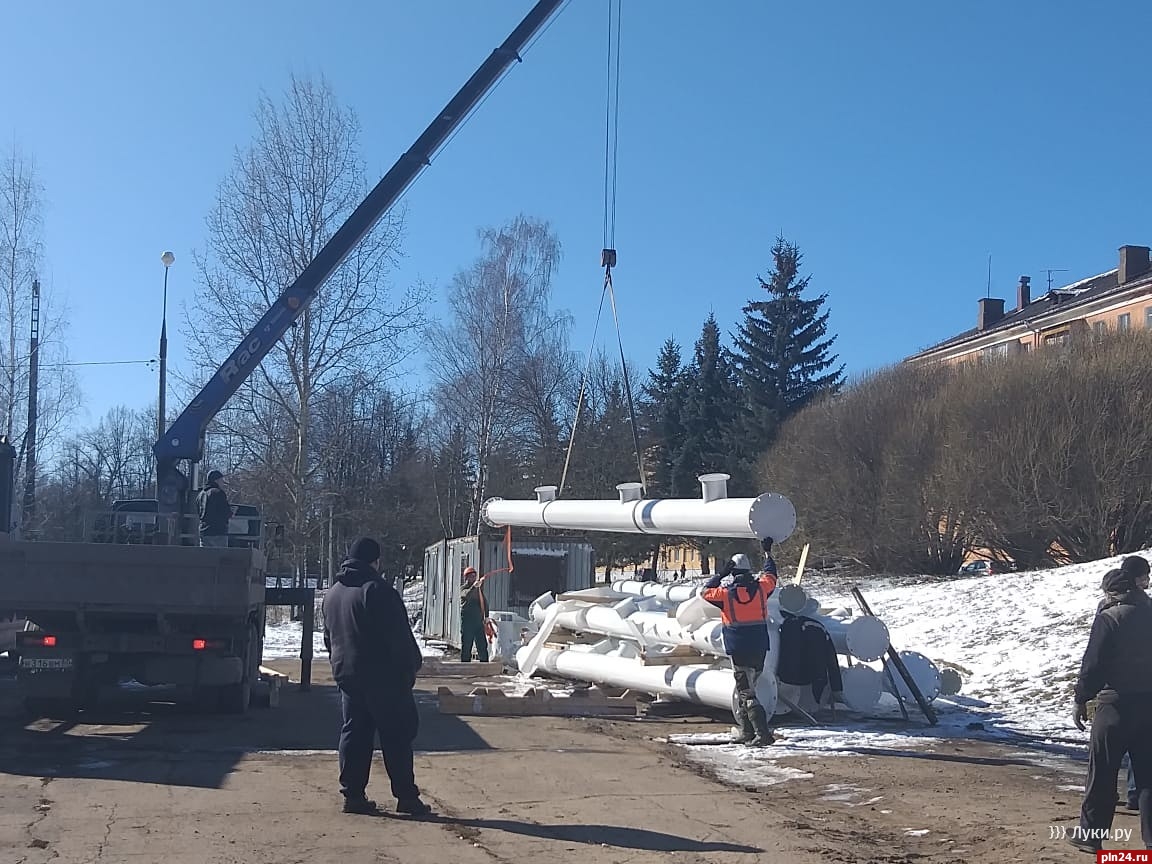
(1080, 715)
(766, 545)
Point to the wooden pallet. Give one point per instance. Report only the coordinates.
(537, 702)
(434, 667)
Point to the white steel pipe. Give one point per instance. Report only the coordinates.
(702, 684)
(673, 593)
(712, 515)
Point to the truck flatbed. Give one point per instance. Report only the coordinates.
(107, 577)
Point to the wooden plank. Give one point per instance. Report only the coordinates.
(800, 566)
(681, 655)
(493, 702)
(434, 667)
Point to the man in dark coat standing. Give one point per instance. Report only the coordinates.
(215, 511)
(374, 659)
(1117, 672)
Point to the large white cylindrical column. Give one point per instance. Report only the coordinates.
(673, 593)
(769, 515)
(705, 685)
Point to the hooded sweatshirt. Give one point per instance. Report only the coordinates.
(215, 512)
(366, 631)
(1117, 664)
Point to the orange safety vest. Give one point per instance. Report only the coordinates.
(740, 605)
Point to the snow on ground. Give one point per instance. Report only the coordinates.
(1019, 635)
(1019, 638)
(283, 639)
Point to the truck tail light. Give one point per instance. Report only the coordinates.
(48, 641)
(199, 644)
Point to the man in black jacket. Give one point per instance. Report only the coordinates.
(374, 659)
(215, 511)
(1117, 672)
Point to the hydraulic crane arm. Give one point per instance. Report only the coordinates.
(185, 439)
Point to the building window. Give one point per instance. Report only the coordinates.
(1148, 317)
(1123, 322)
(1101, 327)
(1056, 338)
(1001, 350)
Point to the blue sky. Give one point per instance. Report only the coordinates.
(897, 143)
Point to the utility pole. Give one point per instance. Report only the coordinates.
(167, 258)
(7, 484)
(33, 413)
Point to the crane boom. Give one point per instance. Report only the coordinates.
(184, 440)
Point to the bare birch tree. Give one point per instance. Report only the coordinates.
(501, 324)
(286, 195)
(21, 249)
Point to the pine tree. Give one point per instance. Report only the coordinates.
(711, 407)
(665, 392)
(781, 350)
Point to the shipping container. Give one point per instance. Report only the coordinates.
(540, 564)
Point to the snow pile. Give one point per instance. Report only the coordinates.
(1018, 637)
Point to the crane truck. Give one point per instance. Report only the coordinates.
(170, 612)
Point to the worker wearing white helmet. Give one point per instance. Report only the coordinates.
(743, 601)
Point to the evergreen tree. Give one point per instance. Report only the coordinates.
(782, 351)
(665, 392)
(711, 407)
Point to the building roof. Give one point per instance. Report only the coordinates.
(1058, 299)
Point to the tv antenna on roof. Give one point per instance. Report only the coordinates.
(1051, 270)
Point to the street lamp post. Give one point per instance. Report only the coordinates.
(167, 258)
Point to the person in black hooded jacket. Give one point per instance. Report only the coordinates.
(375, 660)
(1117, 672)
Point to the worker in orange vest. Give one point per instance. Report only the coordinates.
(743, 601)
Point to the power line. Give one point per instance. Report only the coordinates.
(8, 368)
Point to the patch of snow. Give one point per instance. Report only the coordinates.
(746, 766)
(1016, 639)
(915, 832)
(283, 640)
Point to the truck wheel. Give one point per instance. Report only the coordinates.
(235, 698)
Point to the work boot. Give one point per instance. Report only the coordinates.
(744, 731)
(413, 807)
(1085, 844)
(763, 732)
(361, 806)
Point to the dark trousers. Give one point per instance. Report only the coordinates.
(370, 712)
(472, 636)
(1118, 728)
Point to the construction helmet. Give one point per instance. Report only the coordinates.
(741, 564)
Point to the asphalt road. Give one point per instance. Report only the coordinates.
(138, 783)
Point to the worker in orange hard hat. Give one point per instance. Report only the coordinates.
(473, 611)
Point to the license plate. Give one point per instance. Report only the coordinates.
(46, 662)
